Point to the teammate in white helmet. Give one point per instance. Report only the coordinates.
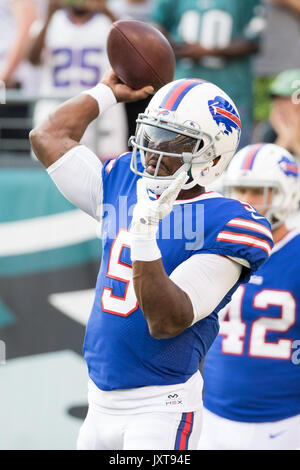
(167, 264)
(252, 371)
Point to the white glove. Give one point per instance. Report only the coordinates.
(146, 216)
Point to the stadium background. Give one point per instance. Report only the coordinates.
(49, 259)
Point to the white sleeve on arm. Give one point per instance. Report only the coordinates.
(206, 278)
(77, 174)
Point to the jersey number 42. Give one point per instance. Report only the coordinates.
(234, 329)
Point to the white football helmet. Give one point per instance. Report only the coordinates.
(190, 119)
(266, 166)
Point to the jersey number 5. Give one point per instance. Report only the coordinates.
(119, 271)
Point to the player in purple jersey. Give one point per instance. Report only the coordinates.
(171, 255)
(252, 371)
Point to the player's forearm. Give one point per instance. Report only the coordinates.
(292, 4)
(167, 309)
(63, 129)
(24, 14)
(109, 13)
(14, 58)
(237, 49)
(37, 45)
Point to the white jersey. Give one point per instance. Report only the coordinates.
(75, 59)
(75, 56)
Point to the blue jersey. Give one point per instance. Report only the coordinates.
(118, 348)
(252, 371)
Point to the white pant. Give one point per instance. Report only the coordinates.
(141, 431)
(223, 434)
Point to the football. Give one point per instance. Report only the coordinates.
(140, 55)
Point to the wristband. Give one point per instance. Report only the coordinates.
(144, 250)
(104, 96)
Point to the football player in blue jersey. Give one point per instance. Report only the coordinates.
(252, 371)
(172, 255)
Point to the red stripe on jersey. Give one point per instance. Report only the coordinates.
(242, 223)
(244, 239)
(110, 165)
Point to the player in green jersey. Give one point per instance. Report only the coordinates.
(214, 40)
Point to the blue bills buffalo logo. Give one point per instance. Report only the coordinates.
(288, 166)
(224, 115)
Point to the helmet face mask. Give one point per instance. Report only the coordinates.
(189, 133)
(165, 140)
